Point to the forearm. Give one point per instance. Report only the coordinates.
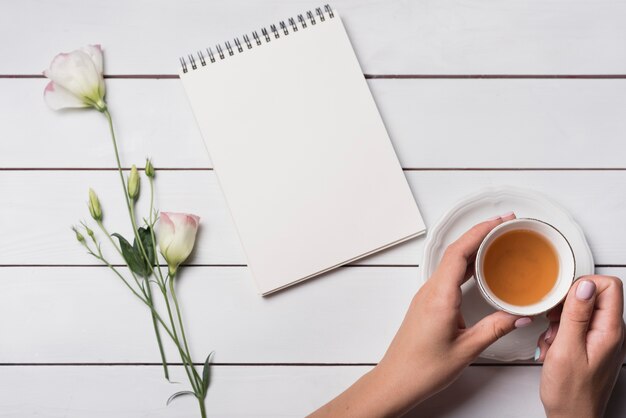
(374, 395)
(582, 413)
(572, 408)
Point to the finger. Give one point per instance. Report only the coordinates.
(545, 341)
(469, 271)
(459, 254)
(542, 348)
(623, 352)
(461, 321)
(554, 314)
(551, 332)
(576, 315)
(609, 304)
(490, 329)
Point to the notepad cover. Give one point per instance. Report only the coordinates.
(302, 155)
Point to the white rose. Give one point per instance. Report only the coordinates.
(176, 235)
(76, 79)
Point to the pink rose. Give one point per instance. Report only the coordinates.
(176, 235)
(76, 79)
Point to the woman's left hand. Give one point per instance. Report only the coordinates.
(433, 345)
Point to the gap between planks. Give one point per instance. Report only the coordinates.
(386, 76)
(500, 364)
(403, 169)
(245, 265)
(151, 364)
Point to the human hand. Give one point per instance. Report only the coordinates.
(584, 349)
(433, 345)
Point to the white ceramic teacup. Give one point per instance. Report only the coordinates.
(567, 267)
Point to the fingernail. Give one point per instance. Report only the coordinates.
(495, 218)
(523, 322)
(537, 353)
(585, 290)
(548, 334)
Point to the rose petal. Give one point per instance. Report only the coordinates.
(165, 233)
(177, 236)
(78, 74)
(95, 53)
(183, 242)
(57, 97)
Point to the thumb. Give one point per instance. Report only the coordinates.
(491, 328)
(576, 314)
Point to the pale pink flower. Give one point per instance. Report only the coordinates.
(76, 79)
(176, 235)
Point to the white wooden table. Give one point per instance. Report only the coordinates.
(474, 93)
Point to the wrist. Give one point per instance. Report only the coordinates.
(575, 411)
(400, 390)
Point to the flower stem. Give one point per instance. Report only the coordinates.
(192, 374)
(126, 198)
(129, 206)
(117, 159)
(152, 221)
(161, 281)
(119, 251)
(156, 258)
(157, 333)
(186, 358)
(202, 407)
(180, 319)
(183, 355)
(181, 327)
(187, 362)
(105, 261)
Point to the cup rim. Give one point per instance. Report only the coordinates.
(479, 277)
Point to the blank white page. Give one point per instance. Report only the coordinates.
(301, 153)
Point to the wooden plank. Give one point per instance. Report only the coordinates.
(40, 206)
(390, 37)
(129, 392)
(85, 315)
(503, 392)
(432, 123)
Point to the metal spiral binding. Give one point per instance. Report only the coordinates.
(199, 59)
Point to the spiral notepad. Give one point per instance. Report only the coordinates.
(299, 149)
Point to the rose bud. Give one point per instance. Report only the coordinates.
(176, 235)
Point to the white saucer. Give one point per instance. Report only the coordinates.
(493, 201)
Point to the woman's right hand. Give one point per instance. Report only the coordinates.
(583, 349)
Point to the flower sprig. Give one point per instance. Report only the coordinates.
(77, 81)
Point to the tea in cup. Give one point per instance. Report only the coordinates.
(525, 267)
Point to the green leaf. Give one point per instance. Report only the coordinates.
(206, 373)
(132, 257)
(133, 254)
(145, 235)
(178, 394)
